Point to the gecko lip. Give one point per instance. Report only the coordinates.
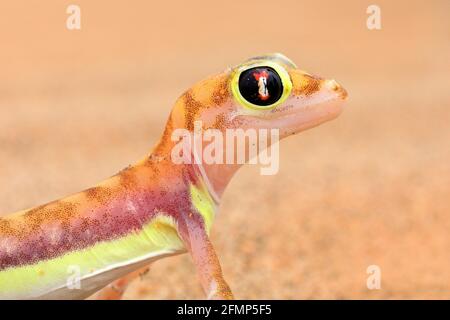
(300, 112)
(297, 118)
(333, 104)
(308, 116)
(327, 108)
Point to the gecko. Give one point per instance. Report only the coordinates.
(100, 239)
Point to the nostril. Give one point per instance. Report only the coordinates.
(333, 85)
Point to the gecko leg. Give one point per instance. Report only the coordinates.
(115, 290)
(206, 261)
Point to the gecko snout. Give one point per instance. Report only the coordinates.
(334, 86)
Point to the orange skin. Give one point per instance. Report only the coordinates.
(156, 184)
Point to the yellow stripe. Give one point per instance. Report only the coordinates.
(35, 280)
(204, 204)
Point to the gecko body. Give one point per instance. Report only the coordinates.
(75, 246)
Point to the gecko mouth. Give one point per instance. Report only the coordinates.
(330, 99)
(296, 116)
(299, 112)
(331, 105)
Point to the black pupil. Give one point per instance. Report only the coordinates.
(261, 86)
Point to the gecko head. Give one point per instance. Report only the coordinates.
(264, 92)
(270, 92)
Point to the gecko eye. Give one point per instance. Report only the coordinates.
(261, 86)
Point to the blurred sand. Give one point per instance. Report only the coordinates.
(371, 188)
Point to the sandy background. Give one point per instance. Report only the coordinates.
(371, 188)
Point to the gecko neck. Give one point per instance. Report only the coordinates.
(216, 177)
(219, 176)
